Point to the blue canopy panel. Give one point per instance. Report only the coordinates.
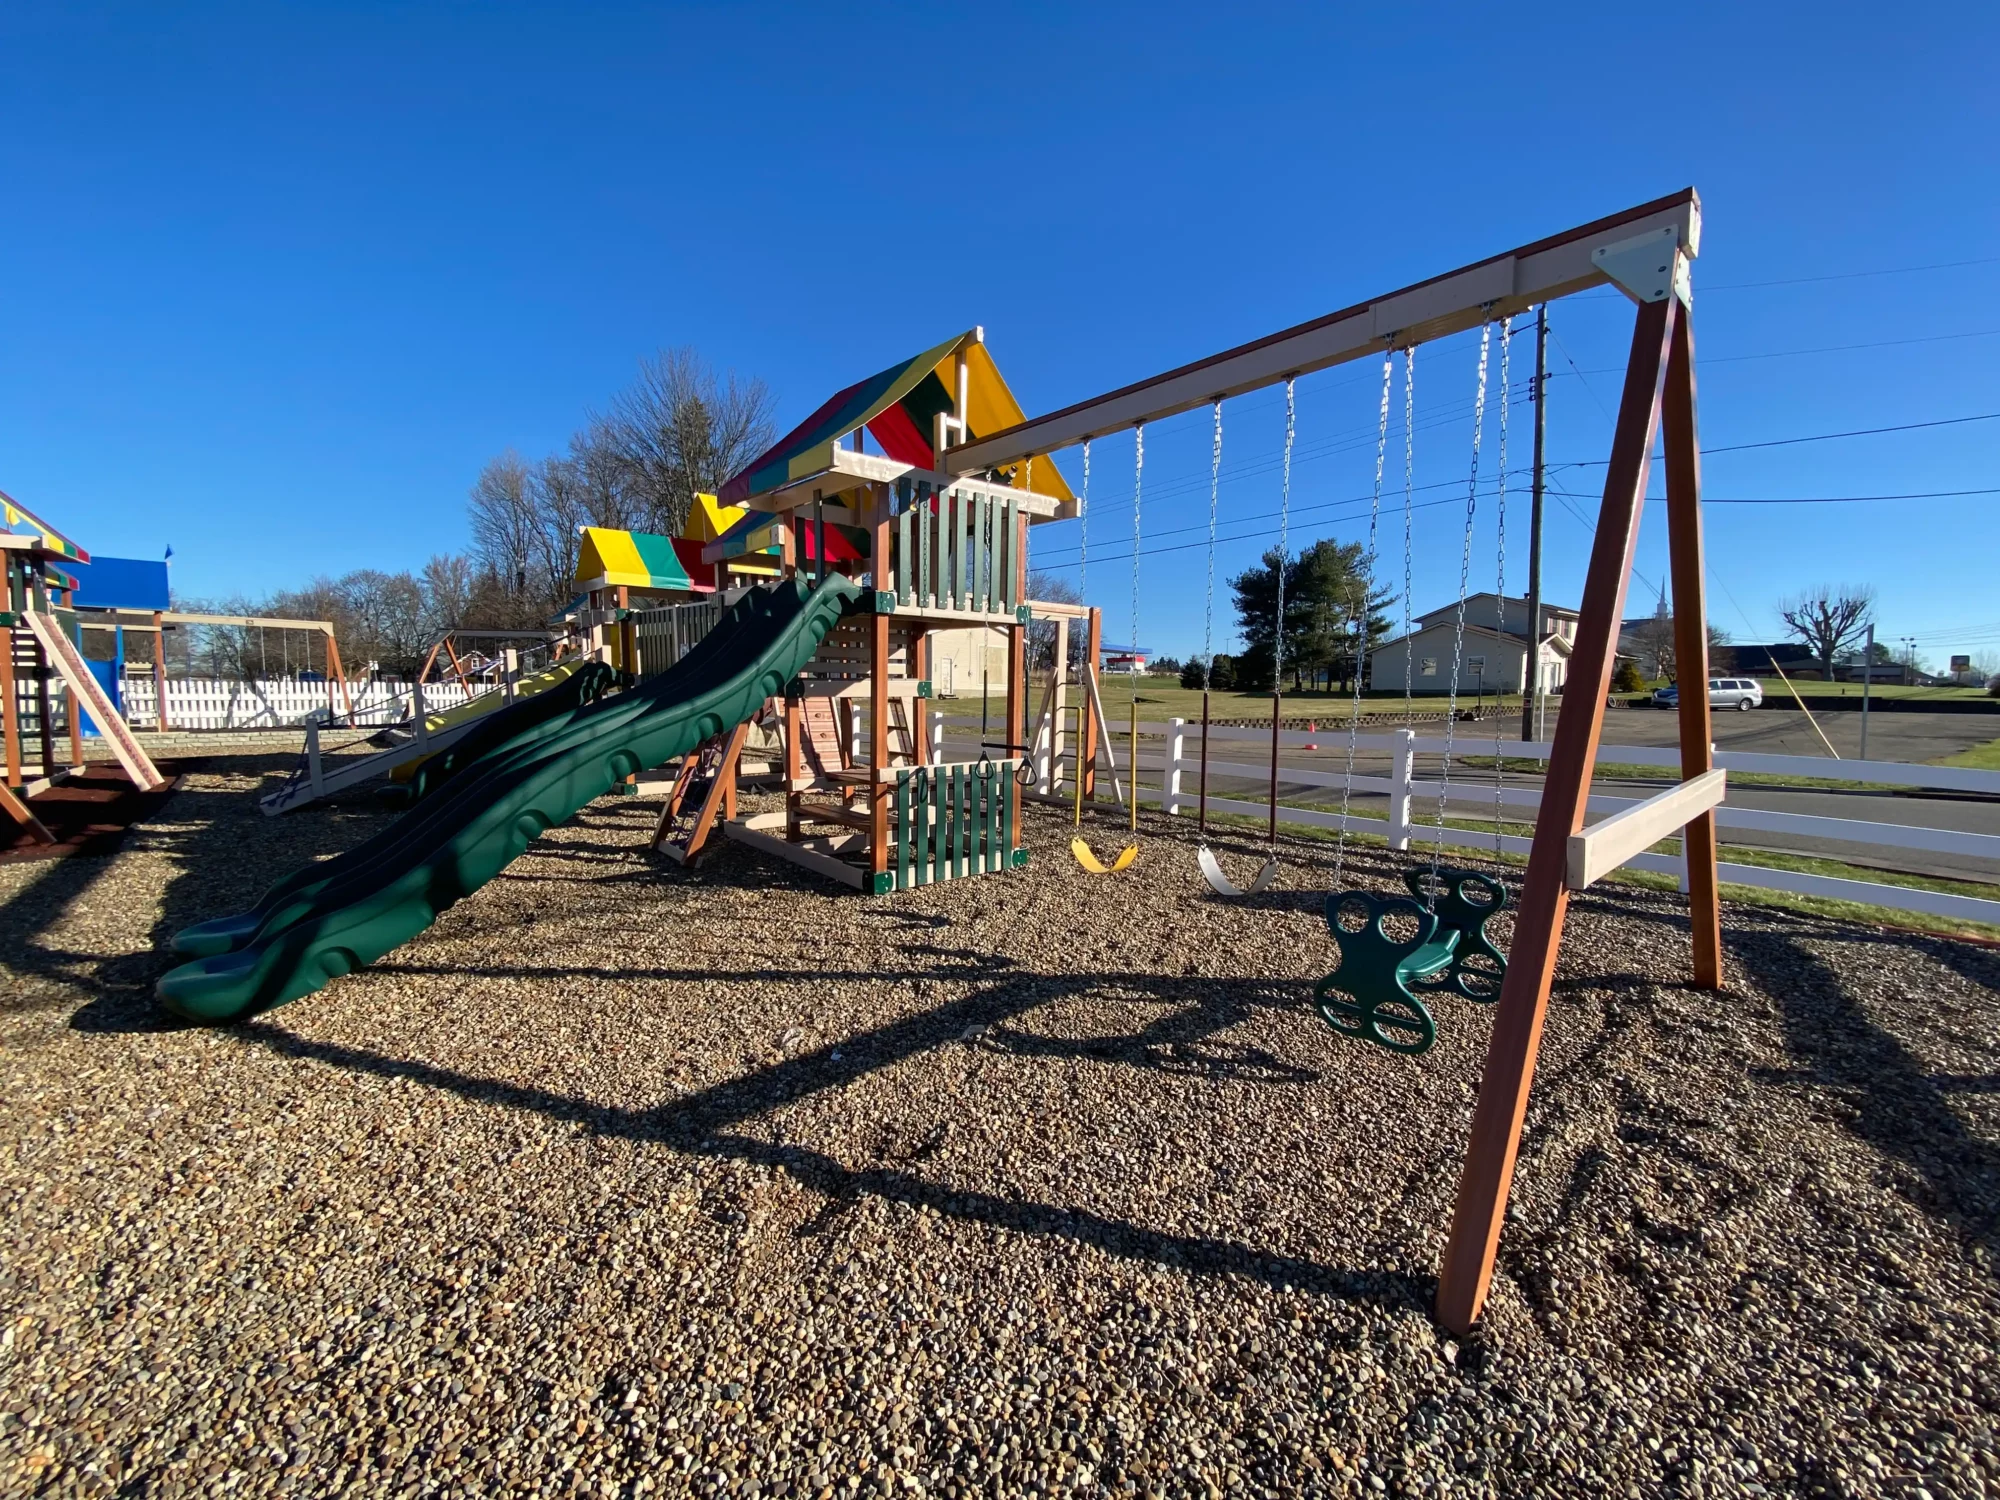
(121, 583)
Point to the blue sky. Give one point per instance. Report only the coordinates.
(280, 278)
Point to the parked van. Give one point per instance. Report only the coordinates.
(1723, 692)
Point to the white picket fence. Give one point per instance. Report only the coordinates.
(195, 703)
(1176, 775)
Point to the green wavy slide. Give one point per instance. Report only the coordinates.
(536, 771)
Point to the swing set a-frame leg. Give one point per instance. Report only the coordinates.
(1662, 359)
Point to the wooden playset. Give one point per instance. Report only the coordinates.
(869, 801)
(43, 662)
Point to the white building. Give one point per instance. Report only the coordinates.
(963, 662)
(1496, 654)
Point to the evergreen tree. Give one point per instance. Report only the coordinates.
(1332, 611)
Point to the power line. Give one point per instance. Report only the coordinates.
(1840, 499)
(1942, 265)
(1818, 437)
(1731, 359)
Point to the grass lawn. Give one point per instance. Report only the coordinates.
(1163, 698)
(1875, 916)
(1984, 757)
(1775, 688)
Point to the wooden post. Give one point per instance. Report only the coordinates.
(339, 676)
(159, 672)
(1086, 750)
(72, 709)
(1488, 1172)
(1683, 463)
(795, 764)
(920, 668)
(10, 716)
(45, 716)
(1017, 677)
(878, 696)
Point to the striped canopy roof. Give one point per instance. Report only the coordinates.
(898, 406)
(641, 560)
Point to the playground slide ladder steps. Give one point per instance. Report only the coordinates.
(704, 786)
(77, 677)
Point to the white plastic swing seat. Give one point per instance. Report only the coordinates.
(1222, 885)
(1096, 866)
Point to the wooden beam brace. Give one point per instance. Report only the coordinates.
(1684, 546)
(1488, 1173)
(1596, 851)
(18, 809)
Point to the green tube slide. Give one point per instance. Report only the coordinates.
(534, 773)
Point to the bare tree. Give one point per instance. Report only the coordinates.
(1042, 633)
(503, 521)
(1829, 620)
(562, 509)
(449, 581)
(609, 488)
(682, 431)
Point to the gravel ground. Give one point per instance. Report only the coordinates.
(632, 1180)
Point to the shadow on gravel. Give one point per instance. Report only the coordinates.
(702, 1124)
(1899, 1107)
(224, 852)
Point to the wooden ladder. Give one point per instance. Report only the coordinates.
(76, 675)
(704, 786)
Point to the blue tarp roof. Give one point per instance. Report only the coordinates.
(120, 583)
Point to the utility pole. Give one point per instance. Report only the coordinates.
(1867, 676)
(1531, 700)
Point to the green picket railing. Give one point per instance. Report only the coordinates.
(955, 549)
(953, 821)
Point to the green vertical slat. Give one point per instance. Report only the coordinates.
(976, 853)
(1003, 555)
(988, 833)
(986, 554)
(938, 777)
(1007, 826)
(996, 817)
(903, 831)
(1010, 567)
(904, 570)
(965, 823)
(976, 553)
(926, 533)
(948, 823)
(954, 547)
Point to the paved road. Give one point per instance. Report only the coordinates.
(1912, 737)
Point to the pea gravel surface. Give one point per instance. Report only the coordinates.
(629, 1180)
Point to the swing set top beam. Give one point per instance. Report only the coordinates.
(1559, 266)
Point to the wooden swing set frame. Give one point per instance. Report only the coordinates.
(1646, 252)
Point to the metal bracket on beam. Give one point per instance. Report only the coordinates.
(1648, 267)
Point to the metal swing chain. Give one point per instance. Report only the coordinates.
(1214, 488)
(1458, 630)
(1500, 585)
(1361, 646)
(1138, 485)
(1083, 528)
(1409, 508)
(1284, 529)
